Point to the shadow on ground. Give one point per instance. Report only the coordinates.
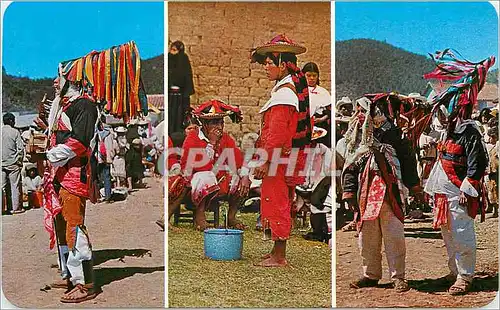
(104, 276)
(483, 282)
(423, 234)
(101, 256)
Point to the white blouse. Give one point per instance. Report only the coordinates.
(319, 98)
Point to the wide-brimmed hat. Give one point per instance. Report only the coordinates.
(214, 109)
(364, 103)
(417, 96)
(343, 101)
(280, 44)
(142, 122)
(121, 129)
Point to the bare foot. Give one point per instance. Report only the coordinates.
(349, 227)
(272, 262)
(268, 255)
(236, 225)
(201, 225)
(173, 228)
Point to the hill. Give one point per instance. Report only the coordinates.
(367, 66)
(22, 94)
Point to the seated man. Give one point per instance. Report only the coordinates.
(205, 152)
(32, 184)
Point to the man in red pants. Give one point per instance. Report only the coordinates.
(285, 132)
(204, 153)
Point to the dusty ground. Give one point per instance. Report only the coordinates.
(128, 254)
(426, 261)
(195, 281)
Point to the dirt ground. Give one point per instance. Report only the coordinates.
(426, 261)
(128, 250)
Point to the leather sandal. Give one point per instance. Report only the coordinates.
(87, 293)
(460, 287)
(64, 283)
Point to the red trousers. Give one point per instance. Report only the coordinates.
(275, 204)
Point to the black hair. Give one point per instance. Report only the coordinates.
(283, 57)
(485, 113)
(179, 46)
(311, 67)
(9, 119)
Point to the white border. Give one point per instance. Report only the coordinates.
(165, 135)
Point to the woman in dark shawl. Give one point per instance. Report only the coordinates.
(180, 87)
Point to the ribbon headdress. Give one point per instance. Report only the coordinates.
(282, 44)
(468, 78)
(111, 77)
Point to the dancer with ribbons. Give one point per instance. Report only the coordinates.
(109, 79)
(455, 180)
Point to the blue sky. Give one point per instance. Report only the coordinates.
(422, 28)
(38, 35)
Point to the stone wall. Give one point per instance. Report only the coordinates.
(218, 37)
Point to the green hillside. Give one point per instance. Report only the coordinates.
(24, 94)
(368, 66)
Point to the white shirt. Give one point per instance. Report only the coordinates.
(439, 183)
(32, 185)
(319, 98)
(341, 147)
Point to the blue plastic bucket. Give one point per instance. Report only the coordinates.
(223, 244)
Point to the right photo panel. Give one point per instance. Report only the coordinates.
(416, 144)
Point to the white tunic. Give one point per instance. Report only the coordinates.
(283, 95)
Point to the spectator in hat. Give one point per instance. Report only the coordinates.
(12, 163)
(121, 147)
(344, 107)
(32, 183)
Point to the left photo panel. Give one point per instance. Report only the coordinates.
(82, 154)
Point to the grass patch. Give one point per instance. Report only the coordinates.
(195, 281)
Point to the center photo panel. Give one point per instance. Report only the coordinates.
(250, 160)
